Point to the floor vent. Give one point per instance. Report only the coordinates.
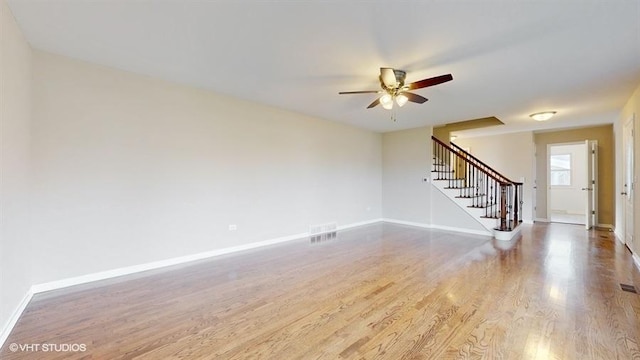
(323, 228)
(323, 237)
(628, 288)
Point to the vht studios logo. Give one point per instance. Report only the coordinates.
(47, 347)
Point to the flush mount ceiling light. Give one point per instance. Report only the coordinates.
(542, 116)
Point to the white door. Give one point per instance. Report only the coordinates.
(591, 190)
(629, 182)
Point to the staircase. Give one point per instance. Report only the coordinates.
(488, 196)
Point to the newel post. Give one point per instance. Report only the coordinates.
(515, 206)
(503, 207)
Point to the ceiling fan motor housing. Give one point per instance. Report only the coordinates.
(400, 76)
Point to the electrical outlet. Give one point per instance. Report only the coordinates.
(233, 227)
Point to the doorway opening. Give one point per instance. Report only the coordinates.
(572, 186)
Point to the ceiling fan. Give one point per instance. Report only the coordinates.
(394, 88)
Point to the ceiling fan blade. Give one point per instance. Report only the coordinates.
(415, 97)
(360, 92)
(388, 77)
(374, 104)
(430, 82)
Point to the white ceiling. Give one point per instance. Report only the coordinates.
(508, 58)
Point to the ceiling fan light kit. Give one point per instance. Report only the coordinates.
(543, 116)
(386, 101)
(401, 100)
(394, 88)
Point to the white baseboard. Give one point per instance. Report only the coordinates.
(466, 231)
(438, 227)
(15, 316)
(103, 275)
(528, 222)
(507, 235)
(606, 226)
(361, 223)
(636, 259)
(541, 220)
(618, 235)
(59, 284)
(410, 223)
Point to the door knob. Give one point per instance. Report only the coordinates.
(623, 193)
(586, 188)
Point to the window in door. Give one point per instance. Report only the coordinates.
(560, 170)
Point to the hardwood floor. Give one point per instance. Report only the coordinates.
(382, 291)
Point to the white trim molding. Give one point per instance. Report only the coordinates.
(438, 227)
(15, 316)
(618, 236)
(466, 231)
(361, 223)
(103, 275)
(507, 235)
(409, 223)
(128, 270)
(636, 260)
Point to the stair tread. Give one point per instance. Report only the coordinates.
(448, 179)
(460, 187)
(481, 206)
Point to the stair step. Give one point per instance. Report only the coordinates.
(481, 206)
(510, 226)
(460, 187)
(442, 171)
(471, 196)
(449, 179)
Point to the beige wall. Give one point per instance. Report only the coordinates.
(510, 155)
(606, 167)
(406, 160)
(406, 197)
(15, 95)
(130, 169)
(631, 108)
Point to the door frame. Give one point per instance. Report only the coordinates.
(627, 195)
(548, 176)
(592, 183)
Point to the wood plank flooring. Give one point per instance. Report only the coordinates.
(377, 292)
